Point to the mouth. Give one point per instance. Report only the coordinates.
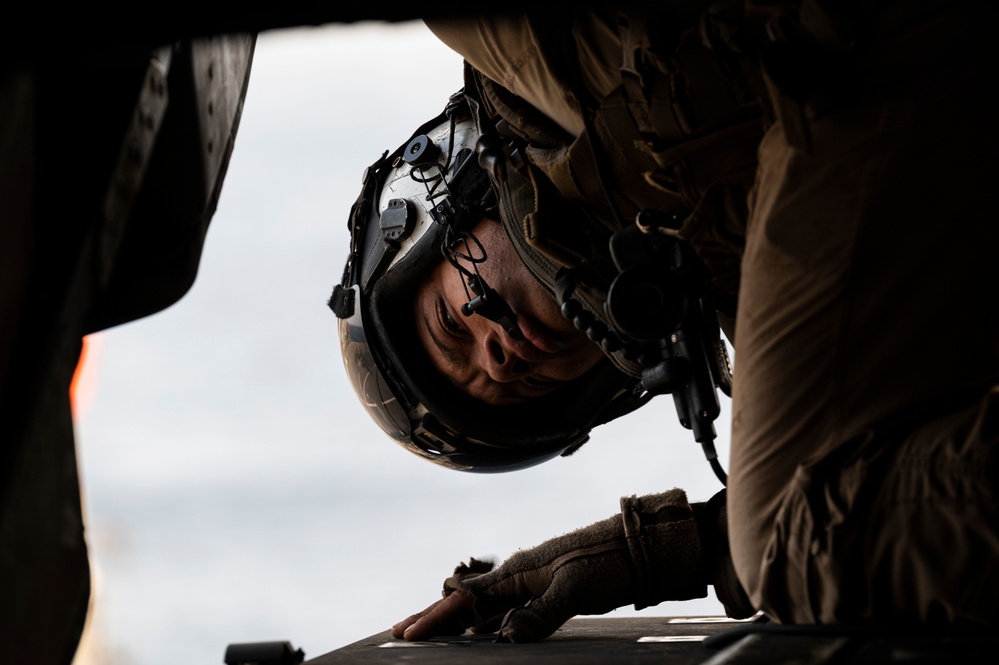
(537, 337)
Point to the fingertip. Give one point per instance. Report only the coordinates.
(399, 628)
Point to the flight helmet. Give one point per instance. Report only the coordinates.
(412, 201)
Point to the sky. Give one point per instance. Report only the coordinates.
(234, 489)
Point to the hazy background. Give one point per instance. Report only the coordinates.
(234, 489)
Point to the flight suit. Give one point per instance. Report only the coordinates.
(866, 343)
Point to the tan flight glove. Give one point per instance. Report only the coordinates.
(649, 553)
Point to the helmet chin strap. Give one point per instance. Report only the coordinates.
(489, 304)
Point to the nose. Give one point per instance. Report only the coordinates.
(500, 361)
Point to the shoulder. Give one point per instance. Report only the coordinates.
(531, 57)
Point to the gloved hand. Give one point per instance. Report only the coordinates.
(712, 527)
(647, 554)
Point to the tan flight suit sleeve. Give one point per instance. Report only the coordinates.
(507, 49)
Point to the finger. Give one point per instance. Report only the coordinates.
(540, 617)
(399, 628)
(448, 616)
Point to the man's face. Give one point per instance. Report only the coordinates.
(481, 358)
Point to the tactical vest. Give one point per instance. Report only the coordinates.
(675, 142)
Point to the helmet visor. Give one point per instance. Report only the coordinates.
(369, 383)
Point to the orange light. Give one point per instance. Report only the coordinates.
(84, 384)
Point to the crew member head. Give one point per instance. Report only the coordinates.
(456, 350)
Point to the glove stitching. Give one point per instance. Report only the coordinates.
(592, 550)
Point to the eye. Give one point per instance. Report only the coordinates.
(448, 322)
